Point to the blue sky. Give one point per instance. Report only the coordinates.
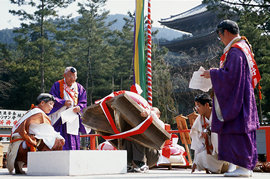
(160, 9)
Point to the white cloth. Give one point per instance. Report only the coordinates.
(26, 116)
(198, 143)
(210, 162)
(106, 146)
(162, 159)
(46, 132)
(177, 158)
(202, 159)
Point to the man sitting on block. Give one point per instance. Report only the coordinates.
(33, 132)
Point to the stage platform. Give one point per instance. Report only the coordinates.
(163, 173)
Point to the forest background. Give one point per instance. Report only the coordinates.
(42, 48)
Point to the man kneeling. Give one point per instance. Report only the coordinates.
(33, 132)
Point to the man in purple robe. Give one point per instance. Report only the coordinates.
(71, 96)
(234, 115)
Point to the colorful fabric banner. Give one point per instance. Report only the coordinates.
(139, 75)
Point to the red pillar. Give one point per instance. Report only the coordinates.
(267, 141)
(93, 142)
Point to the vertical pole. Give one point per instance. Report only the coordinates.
(267, 141)
(93, 142)
(149, 65)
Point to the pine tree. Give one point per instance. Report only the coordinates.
(36, 35)
(6, 82)
(90, 49)
(162, 87)
(32, 60)
(122, 43)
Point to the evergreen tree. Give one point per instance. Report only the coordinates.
(6, 82)
(21, 93)
(122, 43)
(92, 53)
(162, 87)
(34, 60)
(36, 35)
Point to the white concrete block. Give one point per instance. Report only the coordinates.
(77, 162)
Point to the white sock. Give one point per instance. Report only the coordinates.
(232, 167)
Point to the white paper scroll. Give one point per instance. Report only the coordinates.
(72, 120)
(199, 82)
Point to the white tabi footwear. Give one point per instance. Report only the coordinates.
(232, 167)
(239, 172)
(251, 172)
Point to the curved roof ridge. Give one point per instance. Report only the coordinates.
(187, 39)
(195, 10)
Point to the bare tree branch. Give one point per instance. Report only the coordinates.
(243, 4)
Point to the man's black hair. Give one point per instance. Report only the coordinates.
(228, 25)
(203, 99)
(46, 97)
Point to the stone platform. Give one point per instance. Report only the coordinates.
(77, 162)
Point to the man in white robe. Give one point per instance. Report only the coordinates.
(205, 142)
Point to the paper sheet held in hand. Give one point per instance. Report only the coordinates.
(199, 82)
(72, 120)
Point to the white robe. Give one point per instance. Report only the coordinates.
(201, 158)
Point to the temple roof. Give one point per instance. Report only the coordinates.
(194, 11)
(197, 21)
(200, 22)
(198, 42)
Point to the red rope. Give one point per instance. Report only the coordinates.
(149, 65)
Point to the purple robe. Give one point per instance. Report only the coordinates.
(235, 94)
(72, 142)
